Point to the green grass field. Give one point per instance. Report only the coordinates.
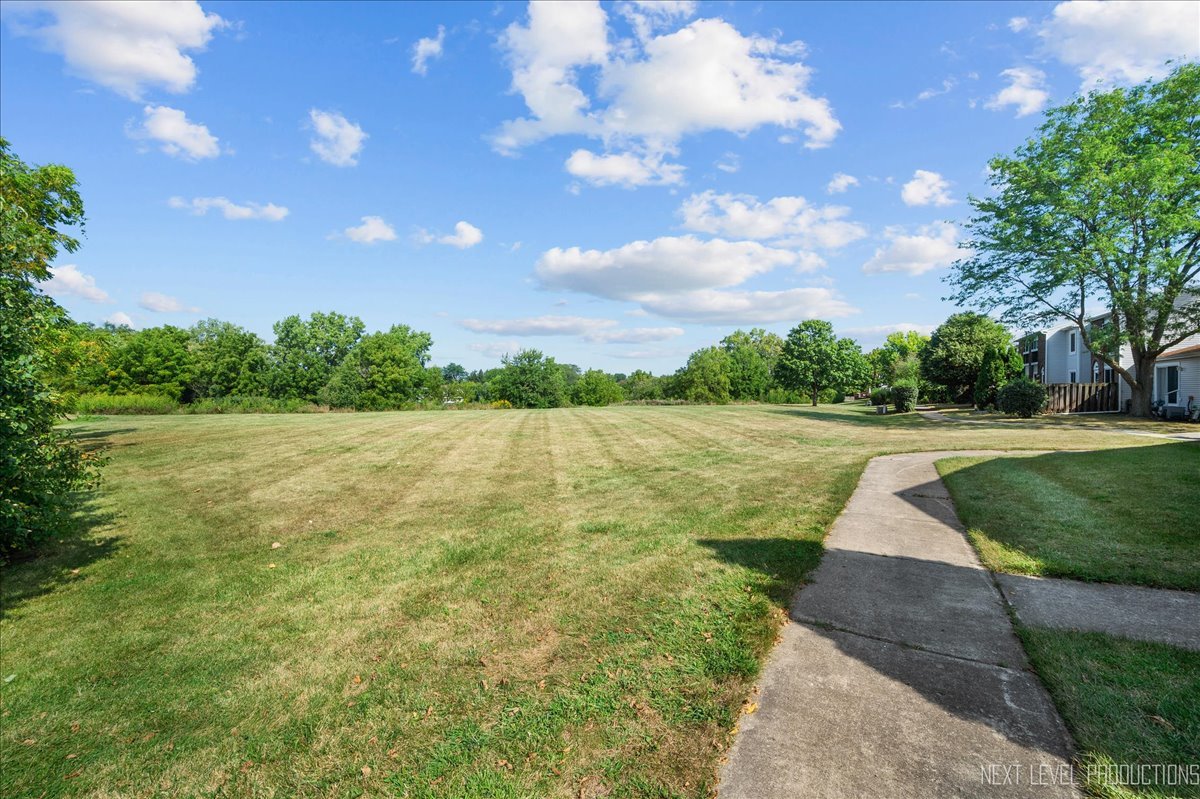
(1120, 517)
(461, 604)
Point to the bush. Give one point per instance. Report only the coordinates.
(500, 405)
(881, 396)
(252, 405)
(905, 394)
(784, 396)
(1022, 397)
(112, 404)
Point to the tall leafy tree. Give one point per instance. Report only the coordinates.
(157, 360)
(306, 352)
(41, 470)
(999, 366)
(1101, 210)
(706, 377)
(454, 373)
(815, 359)
(227, 360)
(594, 387)
(955, 352)
(752, 357)
(529, 379)
(385, 371)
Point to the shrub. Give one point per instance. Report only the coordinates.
(112, 404)
(500, 405)
(783, 396)
(252, 405)
(881, 396)
(904, 394)
(1022, 397)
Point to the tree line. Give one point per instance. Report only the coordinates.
(327, 359)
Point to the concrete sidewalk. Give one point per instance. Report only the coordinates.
(901, 675)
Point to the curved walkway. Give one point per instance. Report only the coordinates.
(902, 676)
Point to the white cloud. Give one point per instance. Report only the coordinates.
(730, 162)
(882, 331)
(338, 140)
(651, 93)
(120, 319)
(749, 307)
(426, 50)
(930, 247)
(840, 182)
(926, 188)
(1018, 24)
(790, 220)
(176, 134)
(623, 169)
(635, 335)
(1026, 90)
(539, 326)
(1120, 41)
(667, 264)
(647, 16)
(162, 303)
(230, 210)
(372, 229)
(465, 235)
(125, 47)
(495, 349)
(67, 280)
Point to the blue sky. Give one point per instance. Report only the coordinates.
(615, 184)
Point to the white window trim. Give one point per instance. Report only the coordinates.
(1159, 385)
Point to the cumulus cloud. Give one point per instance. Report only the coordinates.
(790, 220)
(647, 95)
(426, 50)
(840, 182)
(1026, 91)
(879, 332)
(372, 229)
(749, 307)
(623, 169)
(120, 319)
(126, 47)
(67, 280)
(176, 134)
(465, 235)
(495, 349)
(162, 303)
(635, 335)
(1121, 41)
(666, 264)
(338, 141)
(926, 188)
(539, 326)
(930, 247)
(1018, 24)
(647, 16)
(230, 210)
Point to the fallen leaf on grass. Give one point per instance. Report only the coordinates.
(276, 545)
(752, 707)
(366, 771)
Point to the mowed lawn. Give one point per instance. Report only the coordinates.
(461, 604)
(1128, 516)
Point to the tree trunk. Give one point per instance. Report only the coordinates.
(1142, 392)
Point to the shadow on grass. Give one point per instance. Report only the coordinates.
(96, 440)
(866, 417)
(781, 564)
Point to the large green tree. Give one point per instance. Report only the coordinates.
(306, 352)
(752, 357)
(41, 470)
(157, 360)
(955, 352)
(385, 371)
(1100, 210)
(595, 387)
(529, 379)
(815, 359)
(706, 377)
(227, 360)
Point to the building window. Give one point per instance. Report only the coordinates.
(1074, 376)
(1166, 384)
(1095, 372)
(1073, 345)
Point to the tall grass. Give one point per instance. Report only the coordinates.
(252, 405)
(111, 404)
